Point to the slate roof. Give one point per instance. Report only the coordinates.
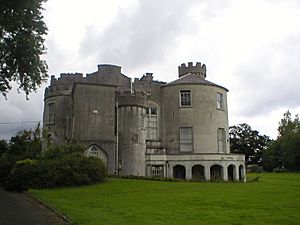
(193, 79)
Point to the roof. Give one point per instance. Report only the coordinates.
(193, 79)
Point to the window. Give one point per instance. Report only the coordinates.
(152, 123)
(221, 140)
(185, 98)
(94, 152)
(186, 139)
(157, 171)
(220, 103)
(51, 113)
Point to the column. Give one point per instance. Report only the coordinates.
(207, 173)
(225, 173)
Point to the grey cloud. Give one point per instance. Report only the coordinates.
(271, 81)
(18, 109)
(146, 36)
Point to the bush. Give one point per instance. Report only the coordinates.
(70, 170)
(5, 168)
(56, 152)
(22, 175)
(74, 170)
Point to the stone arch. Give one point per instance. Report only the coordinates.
(216, 172)
(198, 172)
(231, 172)
(179, 172)
(241, 173)
(97, 152)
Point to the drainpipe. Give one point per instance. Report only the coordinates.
(117, 138)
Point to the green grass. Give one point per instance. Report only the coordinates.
(274, 199)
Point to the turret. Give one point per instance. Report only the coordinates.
(198, 69)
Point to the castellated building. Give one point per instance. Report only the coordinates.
(146, 127)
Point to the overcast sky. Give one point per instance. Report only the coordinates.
(252, 47)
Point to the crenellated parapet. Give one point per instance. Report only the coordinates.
(198, 69)
(64, 84)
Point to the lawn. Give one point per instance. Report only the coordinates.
(273, 199)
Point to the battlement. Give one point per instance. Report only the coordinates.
(64, 84)
(198, 69)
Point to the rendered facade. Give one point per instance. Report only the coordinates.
(146, 127)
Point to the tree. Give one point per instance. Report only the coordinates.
(287, 125)
(22, 33)
(3, 147)
(246, 141)
(284, 153)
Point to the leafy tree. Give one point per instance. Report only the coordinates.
(26, 144)
(22, 33)
(3, 147)
(272, 156)
(287, 125)
(284, 153)
(246, 141)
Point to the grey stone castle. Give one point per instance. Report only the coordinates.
(146, 127)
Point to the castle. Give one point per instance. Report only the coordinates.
(146, 127)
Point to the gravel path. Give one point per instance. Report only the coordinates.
(20, 209)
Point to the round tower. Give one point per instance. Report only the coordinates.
(58, 107)
(132, 133)
(195, 112)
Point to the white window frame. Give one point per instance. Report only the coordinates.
(186, 139)
(220, 101)
(185, 98)
(152, 123)
(221, 140)
(157, 171)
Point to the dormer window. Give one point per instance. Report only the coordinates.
(185, 98)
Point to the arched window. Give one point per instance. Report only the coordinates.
(231, 173)
(179, 172)
(216, 173)
(241, 173)
(198, 173)
(97, 152)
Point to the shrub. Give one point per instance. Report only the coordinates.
(5, 167)
(70, 170)
(22, 175)
(56, 152)
(74, 170)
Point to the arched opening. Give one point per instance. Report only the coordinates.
(241, 173)
(179, 172)
(231, 172)
(216, 173)
(97, 152)
(198, 173)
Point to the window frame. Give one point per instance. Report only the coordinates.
(50, 112)
(152, 123)
(221, 140)
(157, 170)
(220, 101)
(184, 100)
(185, 141)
